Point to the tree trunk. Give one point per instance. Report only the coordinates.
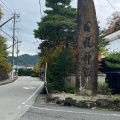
(86, 76)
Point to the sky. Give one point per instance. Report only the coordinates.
(30, 13)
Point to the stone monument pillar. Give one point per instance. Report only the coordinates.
(86, 76)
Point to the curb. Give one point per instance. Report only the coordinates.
(7, 82)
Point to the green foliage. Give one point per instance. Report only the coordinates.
(57, 29)
(3, 54)
(58, 69)
(102, 43)
(58, 25)
(34, 74)
(113, 60)
(3, 58)
(116, 104)
(3, 46)
(103, 88)
(25, 72)
(8, 68)
(70, 90)
(57, 85)
(1, 14)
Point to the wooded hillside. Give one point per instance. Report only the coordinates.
(25, 60)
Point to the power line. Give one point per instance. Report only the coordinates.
(100, 5)
(6, 12)
(6, 33)
(6, 21)
(112, 6)
(10, 6)
(6, 6)
(14, 6)
(106, 6)
(26, 32)
(5, 25)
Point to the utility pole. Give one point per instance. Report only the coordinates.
(17, 59)
(45, 73)
(13, 45)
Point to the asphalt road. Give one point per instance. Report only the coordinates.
(44, 111)
(14, 97)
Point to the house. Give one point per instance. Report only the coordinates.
(113, 80)
(113, 75)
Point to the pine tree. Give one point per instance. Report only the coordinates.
(57, 29)
(58, 25)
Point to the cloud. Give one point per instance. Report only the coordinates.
(30, 15)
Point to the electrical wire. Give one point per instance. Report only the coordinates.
(106, 6)
(7, 13)
(5, 25)
(6, 6)
(10, 6)
(26, 32)
(100, 5)
(14, 6)
(6, 33)
(112, 6)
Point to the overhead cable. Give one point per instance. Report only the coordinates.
(12, 5)
(6, 6)
(112, 6)
(7, 13)
(6, 33)
(26, 32)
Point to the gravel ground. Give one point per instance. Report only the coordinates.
(93, 98)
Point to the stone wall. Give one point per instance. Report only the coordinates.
(3, 75)
(112, 104)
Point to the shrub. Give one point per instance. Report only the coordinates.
(116, 104)
(61, 65)
(69, 90)
(24, 72)
(103, 88)
(57, 85)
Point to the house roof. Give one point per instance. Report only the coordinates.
(113, 36)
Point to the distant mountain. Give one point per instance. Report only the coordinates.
(25, 60)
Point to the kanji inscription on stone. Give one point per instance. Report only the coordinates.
(87, 72)
(87, 57)
(86, 43)
(87, 26)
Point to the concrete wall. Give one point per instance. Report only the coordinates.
(70, 80)
(101, 77)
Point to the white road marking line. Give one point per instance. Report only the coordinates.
(32, 95)
(28, 88)
(19, 107)
(16, 80)
(116, 115)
